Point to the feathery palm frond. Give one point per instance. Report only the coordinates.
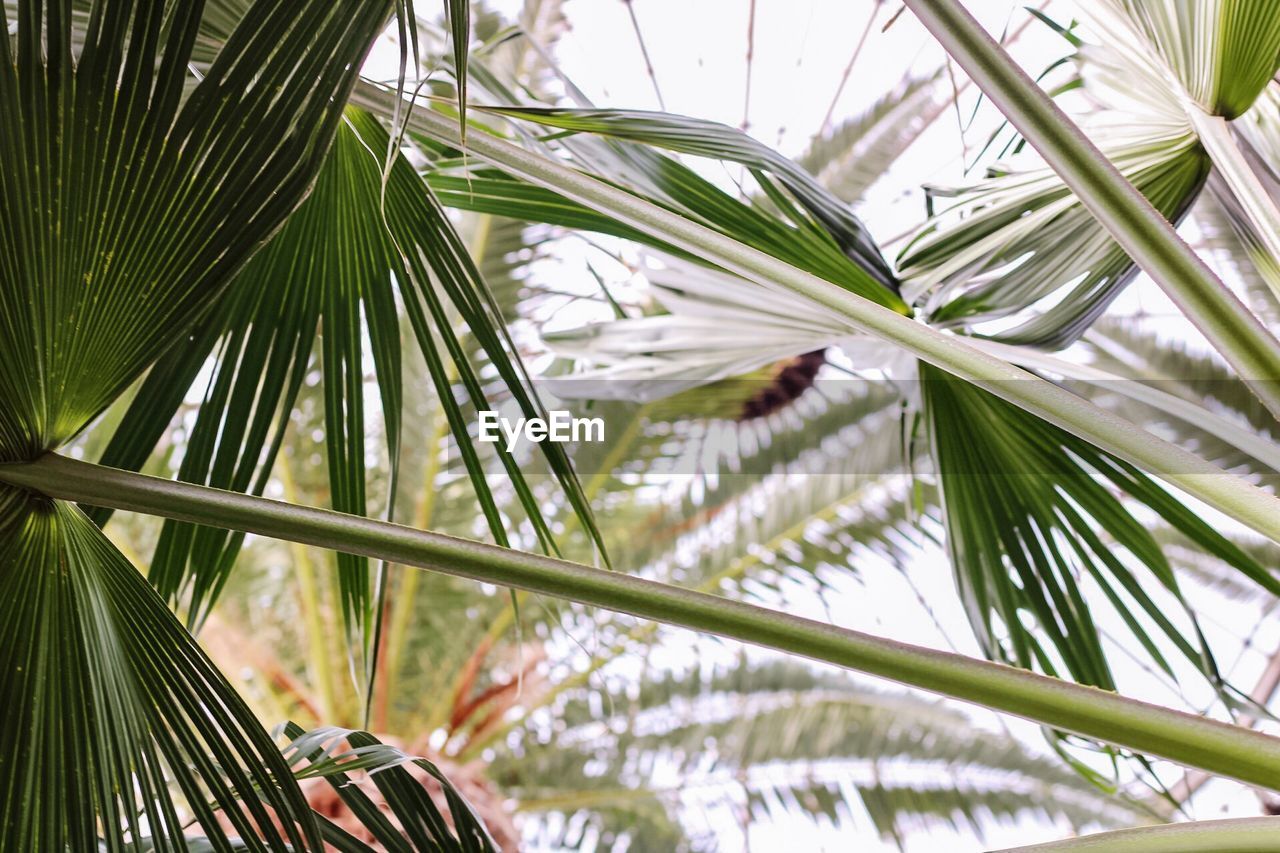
(787, 734)
(1173, 367)
(1224, 227)
(857, 153)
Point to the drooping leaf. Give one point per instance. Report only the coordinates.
(336, 266)
(662, 180)
(1033, 520)
(492, 192)
(717, 141)
(411, 820)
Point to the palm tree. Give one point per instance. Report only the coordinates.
(152, 148)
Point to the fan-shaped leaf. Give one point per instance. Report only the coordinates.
(110, 701)
(337, 265)
(1032, 521)
(124, 218)
(1224, 52)
(1020, 237)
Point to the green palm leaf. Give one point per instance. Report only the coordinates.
(110, 702)
(665, 181)
(1018, 237)
(337, 265)
(420, 824)
(1224, 52)
(1032, 519)
(709, 139)
(125, 222)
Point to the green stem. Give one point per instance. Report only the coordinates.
(407, 592)
(1138, 227)
(735, 570)
(1183, 469)
(504, 620)
(1222, 749)
(1244, 835)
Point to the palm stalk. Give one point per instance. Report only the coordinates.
(1179, 467)
(1243, 835)
(1134, 223)
(1219, 748)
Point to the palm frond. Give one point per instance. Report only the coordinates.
(709, 139)
(491, 192)
(111, 703)
(344, 256)
(124, 225)
(1224, 53)
(791, 236)
(850, 159)
(800, 742)
(1227, 230)
(419, 822)
(719, 326)
(90, 302)
(1246, 185)
(1175, 368)
(1018, 238)
(1033, 521)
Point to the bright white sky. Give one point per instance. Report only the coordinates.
(801, 47)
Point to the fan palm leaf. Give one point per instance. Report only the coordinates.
(123, 225)
(1016, 238)
(1026, 514)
